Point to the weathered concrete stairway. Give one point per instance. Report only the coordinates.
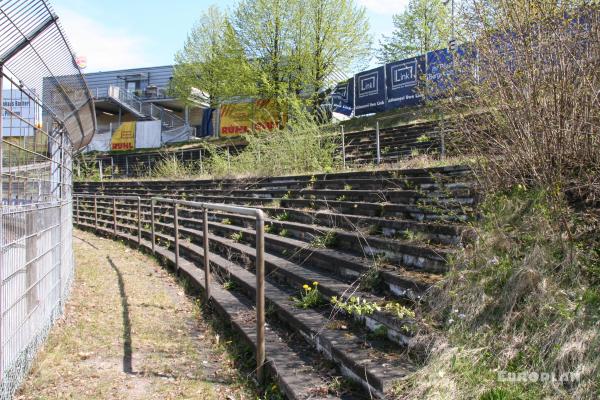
(395, 143)
(383, 236)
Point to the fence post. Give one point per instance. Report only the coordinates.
(442, 141)
(176, 226)
(114, 216)
(377, 143)
(343, 148)
(153, 229)
(139, 220)
(201, 164)
(77, 207)
(260, 296)
(101, 172)
(126, 166)
(206, 253)
(96, 211)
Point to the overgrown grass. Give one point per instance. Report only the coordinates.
(524, 298)
(303, 146)
(171, 167)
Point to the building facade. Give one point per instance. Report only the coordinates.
(142, 94)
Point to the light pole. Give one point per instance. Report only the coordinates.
(452, 42)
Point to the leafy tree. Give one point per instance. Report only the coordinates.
(273, 49)
(338, 39)
(424, 26)
(213, 61)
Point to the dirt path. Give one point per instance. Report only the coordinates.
(130, 332)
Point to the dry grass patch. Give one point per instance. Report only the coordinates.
(130, 332)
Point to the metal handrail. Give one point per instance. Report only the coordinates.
(260, 248)
(76, 198)
(260, 259)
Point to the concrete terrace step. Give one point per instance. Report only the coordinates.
(412, 254)
(359, 358)
(373, 182)
(447, 172)
(381, 195)
(425, 212)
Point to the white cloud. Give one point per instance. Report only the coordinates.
(384, 7)
(105, 48)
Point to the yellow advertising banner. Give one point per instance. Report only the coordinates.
(123, 138)
(260, 115)
(266, 115)
(236, 119)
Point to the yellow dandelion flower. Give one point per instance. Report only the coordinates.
(306, 286)
(315, 283)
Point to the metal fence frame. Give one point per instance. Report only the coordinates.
(49, 114)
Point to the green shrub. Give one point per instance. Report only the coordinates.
(355, 306)
(309, 296)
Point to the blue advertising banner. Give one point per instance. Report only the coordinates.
(403, 79)
(370, 91)
(439, 70)
(342, 97)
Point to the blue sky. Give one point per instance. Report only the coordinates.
(115, 34)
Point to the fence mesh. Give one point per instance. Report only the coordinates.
(47, 114)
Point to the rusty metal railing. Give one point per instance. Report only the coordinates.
(77, 200)
(88, 203)
(260, 259)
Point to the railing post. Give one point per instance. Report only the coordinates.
(153, 229)
(101, 172)
(96, 211)
(206, 253)
(176, 226)
(260, 296)
(77, 207)
(343, 148)
(114, 201)
(442, 141)
(139, 220)
(377, 143)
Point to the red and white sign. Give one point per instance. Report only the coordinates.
(81, 62)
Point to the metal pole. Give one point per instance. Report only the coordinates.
(176, 226)
(260, 296)
(114, 216)
(77, 206)
(343, 148)
(153, 229)
(126, 166)
(377, 143)
(201, 165)
(2, 239)
(139, 219)
(101, 172)
(206, 253)
(442, 141)
(96, 211)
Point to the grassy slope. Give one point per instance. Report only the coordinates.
(524, 298)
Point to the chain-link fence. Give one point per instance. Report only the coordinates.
(47, 114)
